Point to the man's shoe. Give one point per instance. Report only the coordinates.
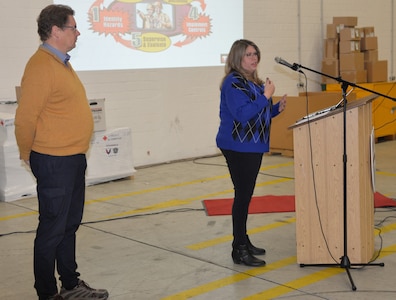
(55, 297)
(83, 291)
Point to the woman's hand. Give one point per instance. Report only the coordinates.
(269, 88)
(282, 103)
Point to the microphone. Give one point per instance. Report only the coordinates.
(281, 61)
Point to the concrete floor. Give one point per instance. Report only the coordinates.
(149, 238)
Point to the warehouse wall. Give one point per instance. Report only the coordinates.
(173, 113)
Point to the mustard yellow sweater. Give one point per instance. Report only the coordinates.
(53, 115)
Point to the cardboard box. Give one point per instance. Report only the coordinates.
(346, 21)
(354, 76)
(98, 114)
(327, 80)
(339, 28)
(349, 46)
(370, 55)
(368, 32)
(369, 43)
(352, 61)
(360, 32)
(330, 49)
(330, 67)
(348, 34)
(377, 71)
(331, 31)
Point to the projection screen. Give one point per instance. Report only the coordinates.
(141, 34)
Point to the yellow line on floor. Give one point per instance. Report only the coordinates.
(278, 290)
(156, 189)
(227, 238)
(206, 288)
(386, 173)
(388, 228)
(287, 164)
(179, 202)
(309, 279)
(181, 184)
(135, 193)
(296, 284)
(166, 204)
(25, 214)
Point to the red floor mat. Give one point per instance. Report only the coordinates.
(271, 204)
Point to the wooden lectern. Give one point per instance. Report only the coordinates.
(319, 185)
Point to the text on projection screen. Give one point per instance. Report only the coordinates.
(141, 34)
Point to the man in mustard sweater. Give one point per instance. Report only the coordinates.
(53, 127)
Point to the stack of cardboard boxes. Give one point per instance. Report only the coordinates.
(352, 53)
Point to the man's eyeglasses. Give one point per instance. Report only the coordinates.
(73, 28)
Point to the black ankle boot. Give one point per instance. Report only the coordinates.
(240, 254)
(254, 250)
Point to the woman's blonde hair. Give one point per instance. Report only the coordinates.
(234, 61)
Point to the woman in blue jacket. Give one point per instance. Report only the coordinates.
(246, 110)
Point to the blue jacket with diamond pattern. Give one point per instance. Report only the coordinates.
(245, 116)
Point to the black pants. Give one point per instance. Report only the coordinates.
(244, 168)
(61, 195)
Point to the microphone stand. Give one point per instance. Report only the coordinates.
(345, 262)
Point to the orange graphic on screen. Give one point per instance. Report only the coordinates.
(149, 25)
